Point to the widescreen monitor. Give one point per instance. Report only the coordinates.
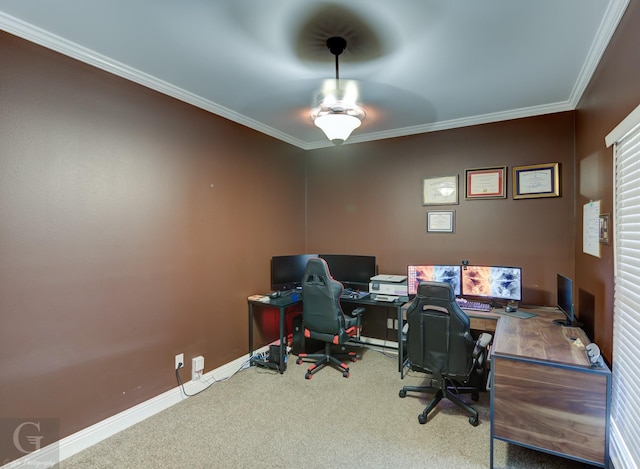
(564, 299)
(287, 271)
(495, 282)
(433, 273)
(352, 271)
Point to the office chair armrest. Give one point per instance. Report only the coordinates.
(358, 311)
(481, 345)
(484, 340)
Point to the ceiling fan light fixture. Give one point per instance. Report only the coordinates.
(337, 126)
(337, 113)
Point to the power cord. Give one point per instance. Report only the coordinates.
(179, 378)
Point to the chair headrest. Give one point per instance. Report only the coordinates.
(317, 265)
(441, 290)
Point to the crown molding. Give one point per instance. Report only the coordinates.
(56, 43)
(608, 25)
(614, 13)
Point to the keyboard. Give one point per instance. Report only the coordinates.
(386, 298)
(353, 295)
(473, 305)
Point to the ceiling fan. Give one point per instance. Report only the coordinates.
(337, 112)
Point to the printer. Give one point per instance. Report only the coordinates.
(388, 288)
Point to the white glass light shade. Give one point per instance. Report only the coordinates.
(337, 113)
(337, 127)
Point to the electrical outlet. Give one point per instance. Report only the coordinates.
(197, 367)
(179, 360)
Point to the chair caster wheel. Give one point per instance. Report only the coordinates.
(345, 374)
(308, 375)
(402, 393)
(475, 396)
(422, 419)
(298, 361)
(474, 421)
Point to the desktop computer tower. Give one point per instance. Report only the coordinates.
(274, 356)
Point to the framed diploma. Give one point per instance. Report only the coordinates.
(440, 221)
(536, 180)
(485, 183)
(441, 190)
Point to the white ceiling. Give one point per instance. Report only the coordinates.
(422, 65)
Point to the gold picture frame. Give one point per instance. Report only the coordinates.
(441, 190)
(536, 180)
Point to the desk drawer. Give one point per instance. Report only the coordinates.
(558, 409)
(483, 325)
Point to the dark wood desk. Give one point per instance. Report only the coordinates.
(545, 394)
(480, 321)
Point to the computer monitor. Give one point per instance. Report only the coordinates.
(352, 271)
(564, 300)
(433, 273)
(287, 271)
(495, 282)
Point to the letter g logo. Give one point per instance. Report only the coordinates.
(33, 440)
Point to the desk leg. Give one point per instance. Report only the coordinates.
(281, 365)
(400, 348)
(250, 330)
(491, 440)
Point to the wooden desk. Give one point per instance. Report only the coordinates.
(479, 320)
(545, 394)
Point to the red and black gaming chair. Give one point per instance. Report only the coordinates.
(323, 318)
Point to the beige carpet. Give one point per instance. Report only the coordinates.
(259, 418)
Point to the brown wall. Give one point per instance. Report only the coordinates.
(116, 252)
(612, 94)
(372, 193)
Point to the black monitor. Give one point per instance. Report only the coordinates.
(432, 273)
(495, 282)
(287, 271)
(565, 300)
(351, 270)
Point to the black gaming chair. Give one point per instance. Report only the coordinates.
(323, 318)
(439, 343)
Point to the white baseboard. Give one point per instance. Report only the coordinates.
(619, 454)
(390, 347)
(72, 444)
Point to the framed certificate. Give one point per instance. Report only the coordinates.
(441, 190)
(485, 183)
(536, 180)
(440, 221)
